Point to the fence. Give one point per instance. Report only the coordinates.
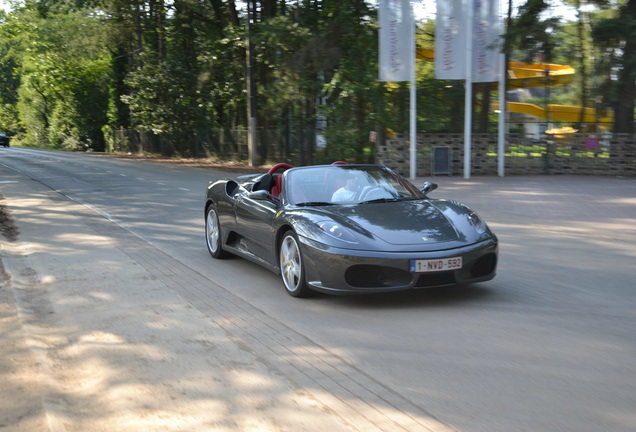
(575, 154)
(294, 147)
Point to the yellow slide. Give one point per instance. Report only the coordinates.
(525, 75)
(560, 112)
(522, 75)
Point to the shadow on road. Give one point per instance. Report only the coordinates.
(424, 298)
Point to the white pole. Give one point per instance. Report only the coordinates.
(502, 116)
(469, 90)
(413, 107)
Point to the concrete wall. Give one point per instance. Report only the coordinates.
(615, 154)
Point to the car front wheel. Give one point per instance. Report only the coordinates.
(213, 233)
(291, 266)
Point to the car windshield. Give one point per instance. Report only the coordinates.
(347, 184)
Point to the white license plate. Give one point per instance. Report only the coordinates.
(436, 265)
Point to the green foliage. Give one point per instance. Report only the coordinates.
(72, 71)
(615, 35)
(532, 34)
(62, 95)
(356, 98)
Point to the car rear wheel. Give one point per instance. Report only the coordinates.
(291, 266)
(213, 233)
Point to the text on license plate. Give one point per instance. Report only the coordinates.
(435, 265)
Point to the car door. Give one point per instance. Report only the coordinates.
(254, 217)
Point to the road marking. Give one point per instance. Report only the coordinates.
(184, 189)
(9, 181)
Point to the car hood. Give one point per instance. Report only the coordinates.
(419, 225)
(400, 223)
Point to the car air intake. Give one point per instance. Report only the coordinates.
(370, 276)
(427, 280)
(484, 266)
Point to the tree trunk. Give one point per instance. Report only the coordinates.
(484, 119)
(583, 56)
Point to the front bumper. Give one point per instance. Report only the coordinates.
(346, 271)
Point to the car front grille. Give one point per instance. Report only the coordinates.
(427, 280)
(371, 276)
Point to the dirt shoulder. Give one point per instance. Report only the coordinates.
(206, 163)
(8, 227)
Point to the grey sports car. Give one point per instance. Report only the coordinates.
(344, 229)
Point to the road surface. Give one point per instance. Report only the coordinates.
(115, 316)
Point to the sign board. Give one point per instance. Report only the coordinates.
(591, 143)
(321, 142)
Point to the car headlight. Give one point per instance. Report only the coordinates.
(336, 231)
(478, 223)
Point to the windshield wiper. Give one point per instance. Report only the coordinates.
(381, 200)
(314, 204)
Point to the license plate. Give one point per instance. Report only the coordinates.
(436, 265)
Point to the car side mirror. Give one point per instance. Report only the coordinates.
(263, 195)
(428, 187)
(260, 195)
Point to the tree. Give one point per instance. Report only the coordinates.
(9, 79)
(616, 36)
(530, 34)
(62, 97)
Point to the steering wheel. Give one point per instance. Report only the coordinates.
(278, 166)
(371, 192)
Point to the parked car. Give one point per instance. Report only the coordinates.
(344, 229)
(4, 139)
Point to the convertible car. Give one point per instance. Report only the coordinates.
(345, 228)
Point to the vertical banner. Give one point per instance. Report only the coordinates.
(486, 43)
(396, 41)
(450, 39)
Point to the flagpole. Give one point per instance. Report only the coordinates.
(413, 158)
(468, 111)
(502, 117)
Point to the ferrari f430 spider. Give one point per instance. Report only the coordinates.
(345, 228)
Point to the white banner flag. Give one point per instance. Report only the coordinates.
(486, 43)
(396, 40)
(450, 39)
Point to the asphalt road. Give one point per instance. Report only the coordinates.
(548, 345)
